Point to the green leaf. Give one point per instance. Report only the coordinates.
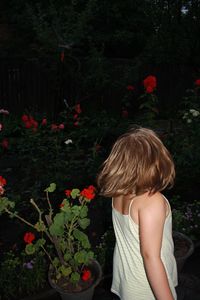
(5, 203)
(67, 256)
(40, 242)
(76, 210)
(56, 262)
(80, 256)
(82, 237)
(51, 188)
(57, 227)
(66, 271)
(30, 249)
(84, 211)
(75, 276)
(90, 255)
(40, 226)
(75, 193)
(84, 223)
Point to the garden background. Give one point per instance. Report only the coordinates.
(71, 81)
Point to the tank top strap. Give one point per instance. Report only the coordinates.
(129, 209)
(168, 204)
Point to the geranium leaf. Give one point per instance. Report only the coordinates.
(75, 193)
(51, 188)
(30, 249)
(84, 223)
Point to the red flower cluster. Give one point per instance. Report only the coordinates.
(88, 193)
(29, 237)
(86, 275)
(29, 122)
(197, 82)
(150, 84)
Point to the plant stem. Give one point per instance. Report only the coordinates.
(50, 207)
(37, 208)
(20, 218)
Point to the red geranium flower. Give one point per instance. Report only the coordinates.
(68, 193)
(25, 118)
(1, 190)
(88, 193)
(197, 82)
(124, 113)
(149, 89)
(2, 181)
(150, 83)
(78, 108)
(29, 237)
(86, 275)
(130, 88)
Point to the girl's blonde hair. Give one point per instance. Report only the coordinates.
(138, 163)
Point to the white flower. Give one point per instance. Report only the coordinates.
(4, 111)
(194, 112)
(69, 141)
(189, 121)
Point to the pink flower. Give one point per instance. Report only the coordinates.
(44, 121)
(75, 116)
(54, 127)
(5, 143)
(4, 111)
(61, 126)
(1, 126)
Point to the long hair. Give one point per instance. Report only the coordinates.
(138, 163)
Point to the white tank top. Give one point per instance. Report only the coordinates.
(129, 277)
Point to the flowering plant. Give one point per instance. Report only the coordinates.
(149, 98)
(64, 229)
(186, 219)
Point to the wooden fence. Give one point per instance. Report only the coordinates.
(32, 85)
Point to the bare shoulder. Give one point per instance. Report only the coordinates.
(153, 204)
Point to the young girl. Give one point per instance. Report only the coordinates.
(138, 168)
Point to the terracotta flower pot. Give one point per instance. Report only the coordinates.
(87, 292)
(183, 249)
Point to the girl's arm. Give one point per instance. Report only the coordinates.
(151, 222)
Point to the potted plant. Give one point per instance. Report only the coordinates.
(186, 230)
(73, 271)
